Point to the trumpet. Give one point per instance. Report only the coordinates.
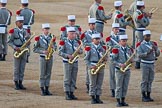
(128, 63)
(153, 10)
(100, 63)
(50, 49)
(75, 55)
(23, 48)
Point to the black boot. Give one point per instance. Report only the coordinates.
(73, 97)
(0, 57)
(68, 97)
(87, 88)
(137, 65)
(112, 93)
(47, 91)
(123, 102)
(42, 91)
(17, 85)
(98, 99)
(93, 100)
(118, 103)
(144, 98)
(27, 60)
(21, 85)
(3, 58)
(149, 97)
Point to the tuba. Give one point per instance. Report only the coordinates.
(50, 49)
(23, 48)
(75, 55)
(101, 64)
(128, 63)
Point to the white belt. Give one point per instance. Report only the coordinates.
(149, 62)
(99, 21)
(141, 28)
(93, 63)
(67, 60)
(2, 24)
(42, 55)
(122, 29)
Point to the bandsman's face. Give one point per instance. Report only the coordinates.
(92, 26)
(120, 8)
(96, 41)
(147, 37)
(19, 24)
(46, 31)
(72, 22)
(115, 30)
(71, 35)
(123, 42)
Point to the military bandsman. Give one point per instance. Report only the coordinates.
(147, 50)
(112, 41)
(67, 48)
(96, 11)
(4, 22)
(44, 45)
(17, 37)
(94, 53)
(120, 54)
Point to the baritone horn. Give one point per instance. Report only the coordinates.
(128, 17)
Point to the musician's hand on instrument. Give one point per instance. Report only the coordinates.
(122, 65)
(45, 52)
(93, 67)
(17, 49)
(70, 57)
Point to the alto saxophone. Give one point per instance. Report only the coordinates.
(128, 63)
(75, 55)
(100, 63)
(50, 49)
(23, 48)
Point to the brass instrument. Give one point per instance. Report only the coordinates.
(75, 55)
(153, 10)
(50, 49)
(23, 48)
(128, 63)
(101, 64)
(128, 17)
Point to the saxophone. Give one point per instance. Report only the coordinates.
(101, 64)
(75, 55)
(128, 63)
(23, 48)
(50, 49)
